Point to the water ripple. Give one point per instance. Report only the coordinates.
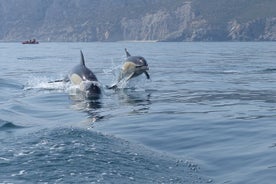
(6, 125)
(60, 155)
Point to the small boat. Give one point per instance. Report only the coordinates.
(30, 42)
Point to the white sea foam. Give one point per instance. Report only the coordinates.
(45, 83)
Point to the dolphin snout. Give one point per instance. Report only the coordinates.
(91, 88)
(94, 91)
(94, 88)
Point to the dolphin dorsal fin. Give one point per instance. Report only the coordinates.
(82, 59)
(127, 53)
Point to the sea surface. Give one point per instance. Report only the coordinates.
(207, 115)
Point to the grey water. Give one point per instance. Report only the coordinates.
(207, 115)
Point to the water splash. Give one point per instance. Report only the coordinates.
(43, 83)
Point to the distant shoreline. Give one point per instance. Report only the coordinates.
(138, 41)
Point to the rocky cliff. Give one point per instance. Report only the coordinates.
(116, 20)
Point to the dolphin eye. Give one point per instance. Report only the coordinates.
(141, 61)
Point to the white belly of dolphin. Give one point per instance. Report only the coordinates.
(128, 69)
(75, 79)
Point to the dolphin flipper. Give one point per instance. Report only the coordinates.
(147, 74)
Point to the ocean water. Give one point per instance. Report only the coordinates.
(207, 115)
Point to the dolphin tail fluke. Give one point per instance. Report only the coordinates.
(82, 58)
(147, 74)
(127, 53)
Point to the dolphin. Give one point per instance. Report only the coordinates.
(132, 67)
(85, 78)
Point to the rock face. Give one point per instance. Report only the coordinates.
(159, 20)
(255, 30)
(158, 25)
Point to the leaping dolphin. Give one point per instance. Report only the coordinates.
(83, 77)
(132, 67)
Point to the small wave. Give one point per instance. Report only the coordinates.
(10, 84)
(269, 70)
(66, 154)
(231, 71)
(217, 72)
(36, 58)
(6, 125)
